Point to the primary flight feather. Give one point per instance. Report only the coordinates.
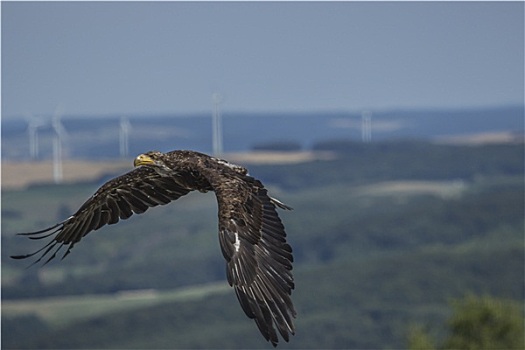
(251, 235)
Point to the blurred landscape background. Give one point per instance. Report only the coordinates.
(385, 233)
(394, 130)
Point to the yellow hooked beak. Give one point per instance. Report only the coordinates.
(143, 160)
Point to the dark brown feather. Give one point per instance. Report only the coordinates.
(259, 261)
(117, 199)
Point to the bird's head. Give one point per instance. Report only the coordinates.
(152, 158)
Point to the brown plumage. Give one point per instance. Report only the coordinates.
(251, 235)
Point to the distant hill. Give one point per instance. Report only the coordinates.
(384, 235)
(98, 137)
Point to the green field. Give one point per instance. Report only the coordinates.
(61, 311)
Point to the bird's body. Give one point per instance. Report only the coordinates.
(251, 235)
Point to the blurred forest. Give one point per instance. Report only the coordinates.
(385, 235)
(478, 323)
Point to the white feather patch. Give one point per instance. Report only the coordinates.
(237, 243)
(235, 167)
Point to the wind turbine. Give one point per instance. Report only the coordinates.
(366, 126)
(32, 129)
(216, 124)
(58, 140)
(125, 128)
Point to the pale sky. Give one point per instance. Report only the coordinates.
(100, 58)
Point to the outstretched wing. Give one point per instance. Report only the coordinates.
(259, 261)
(119, 198)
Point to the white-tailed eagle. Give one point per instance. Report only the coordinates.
(251, 235)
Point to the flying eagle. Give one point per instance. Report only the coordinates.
(251, 235)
